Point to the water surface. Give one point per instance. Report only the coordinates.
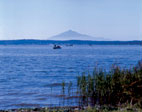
(30, 76)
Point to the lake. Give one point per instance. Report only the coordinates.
(31, 75)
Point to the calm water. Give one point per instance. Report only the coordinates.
(27, 73)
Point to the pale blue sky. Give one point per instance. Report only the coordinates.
(40, 19)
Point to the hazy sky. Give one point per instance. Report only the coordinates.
(40, 19)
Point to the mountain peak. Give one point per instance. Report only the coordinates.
(70, 30)
(72, 35)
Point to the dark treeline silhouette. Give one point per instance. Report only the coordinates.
(46, 42)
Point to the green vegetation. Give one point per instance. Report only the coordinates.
(116, 88)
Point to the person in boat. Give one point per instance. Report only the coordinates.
(56, 47)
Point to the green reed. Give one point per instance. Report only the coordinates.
(114, 88)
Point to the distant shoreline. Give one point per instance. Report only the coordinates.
(75, 42)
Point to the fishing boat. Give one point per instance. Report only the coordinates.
(56, 47)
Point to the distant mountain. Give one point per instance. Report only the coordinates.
(72, 35)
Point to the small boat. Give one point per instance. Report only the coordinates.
(56, 47)
(69, 45)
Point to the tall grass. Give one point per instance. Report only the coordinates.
(116, 87)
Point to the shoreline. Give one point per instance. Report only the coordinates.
(97, 108)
